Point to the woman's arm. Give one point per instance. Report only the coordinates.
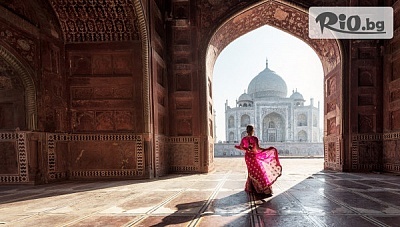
(243, 146)
(240, 146)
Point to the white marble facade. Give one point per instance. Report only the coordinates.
(276, 117)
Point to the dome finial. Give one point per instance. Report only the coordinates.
(266, 62)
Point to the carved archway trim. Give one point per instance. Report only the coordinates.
(275, 13)
(143, 32)
(26, 76)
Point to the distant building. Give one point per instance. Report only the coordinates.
(276, 117)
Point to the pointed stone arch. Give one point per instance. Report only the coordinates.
(26, 75)
(273, 128)
(144, 37)
(244, 120)
(294, 20)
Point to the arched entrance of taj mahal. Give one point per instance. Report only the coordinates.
(294, 21)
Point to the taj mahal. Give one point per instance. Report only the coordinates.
(277, 118)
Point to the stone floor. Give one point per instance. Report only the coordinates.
(304, 196)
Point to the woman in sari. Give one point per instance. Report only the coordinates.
(263, 165)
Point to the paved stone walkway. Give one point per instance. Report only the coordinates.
(304, 196)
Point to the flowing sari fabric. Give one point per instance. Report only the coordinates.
(263, 166)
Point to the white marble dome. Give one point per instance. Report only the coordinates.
(267, 84)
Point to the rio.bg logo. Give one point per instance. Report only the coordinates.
(351, 22)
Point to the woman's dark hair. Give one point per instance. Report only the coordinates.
(249, 129)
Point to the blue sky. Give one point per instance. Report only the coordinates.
(245, 57)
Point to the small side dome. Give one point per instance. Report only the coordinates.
(297, 96)
(245, 100)
(245, 97)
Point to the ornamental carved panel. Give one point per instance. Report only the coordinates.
(331, 152)
(22, 43)
(95, 156)
(391, 151)
(184, 154)
(96, 21)
(367, 152)
(370, 152)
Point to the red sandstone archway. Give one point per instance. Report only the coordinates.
(23, 106)
(293, 20)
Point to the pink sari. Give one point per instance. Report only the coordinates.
(263, 166)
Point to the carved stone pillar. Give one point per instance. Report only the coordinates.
(365, 107)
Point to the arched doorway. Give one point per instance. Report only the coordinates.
(273, 128)
(18, 95)
(294, 21)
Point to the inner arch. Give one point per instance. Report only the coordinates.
(293, 20)
(26, 76)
